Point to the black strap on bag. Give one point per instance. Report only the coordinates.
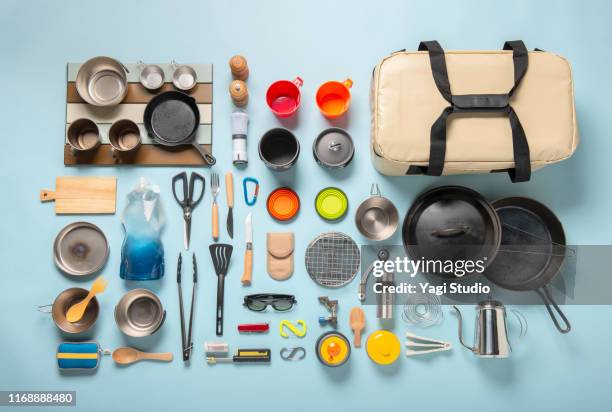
(477, 103)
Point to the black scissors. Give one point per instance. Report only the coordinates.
(188, 202)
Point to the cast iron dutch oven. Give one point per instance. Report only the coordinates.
(451, 224)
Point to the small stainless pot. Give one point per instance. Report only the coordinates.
(64, 301)
(139, 313)
(376, 217)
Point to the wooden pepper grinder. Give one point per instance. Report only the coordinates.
(238, 66)
(239, 93)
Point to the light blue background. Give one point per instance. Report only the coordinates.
(318, 40)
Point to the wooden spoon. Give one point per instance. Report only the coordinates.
(76, 311)
(357, 323)
(126, 356)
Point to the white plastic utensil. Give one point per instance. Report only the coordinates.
(419, 345)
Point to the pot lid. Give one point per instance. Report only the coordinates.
(331, 203)
(283, 204)
(333, 148)
(383, 347)
(451, 223)
(80, 249)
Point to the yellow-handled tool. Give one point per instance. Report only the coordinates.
(76, 311)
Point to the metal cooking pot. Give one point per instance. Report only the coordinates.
(376, 217)
(279, 149)
(102, 81)
(64, 301)
(139, 313)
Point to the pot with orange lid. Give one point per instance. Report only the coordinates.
(333, 349)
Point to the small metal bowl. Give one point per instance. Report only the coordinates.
(377, 218)
(139, 313)
(64, 301)
(184, 77)
(151, 76)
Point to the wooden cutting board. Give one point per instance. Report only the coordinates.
(82, 195)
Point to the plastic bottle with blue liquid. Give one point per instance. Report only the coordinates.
(142, 252)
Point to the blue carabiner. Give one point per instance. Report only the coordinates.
(246, 180)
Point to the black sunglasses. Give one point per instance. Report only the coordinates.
(259, 302)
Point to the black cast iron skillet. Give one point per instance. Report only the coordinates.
(172, 119)
(531, 253)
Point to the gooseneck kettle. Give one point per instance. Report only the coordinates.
(491, 332)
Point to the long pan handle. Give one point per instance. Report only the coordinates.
(208, 158)
(548, 301)
(220, 290)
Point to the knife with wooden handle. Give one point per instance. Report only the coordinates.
(248, 254)
(229, 191)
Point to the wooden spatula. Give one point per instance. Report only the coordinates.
(76, 311)
(357, 323)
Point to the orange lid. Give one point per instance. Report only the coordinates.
(283, 203)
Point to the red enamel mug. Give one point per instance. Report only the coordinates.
(283, 97)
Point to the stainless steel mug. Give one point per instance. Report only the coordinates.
(491, 332)
(124, 138)
(83, 136)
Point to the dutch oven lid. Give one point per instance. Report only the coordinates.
(333, 148)
(451, 223)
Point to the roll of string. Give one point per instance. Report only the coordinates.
(423, 310)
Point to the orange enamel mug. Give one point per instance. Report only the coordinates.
(333, 98)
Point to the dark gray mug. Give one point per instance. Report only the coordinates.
(279, 149)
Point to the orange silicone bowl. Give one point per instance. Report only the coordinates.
(283, 204)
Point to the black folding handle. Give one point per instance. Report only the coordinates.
(477, 103)
(480, 102)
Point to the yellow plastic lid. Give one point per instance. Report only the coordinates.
(383, 347)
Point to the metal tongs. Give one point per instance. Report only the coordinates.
(419, 345)
(186, 338)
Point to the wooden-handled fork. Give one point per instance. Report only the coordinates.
(214, 188)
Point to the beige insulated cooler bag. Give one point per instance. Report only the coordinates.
(436, 112)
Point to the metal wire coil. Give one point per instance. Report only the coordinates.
(423, 310)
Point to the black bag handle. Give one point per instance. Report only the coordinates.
(477, 103)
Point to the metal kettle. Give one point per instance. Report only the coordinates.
(491, 332)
